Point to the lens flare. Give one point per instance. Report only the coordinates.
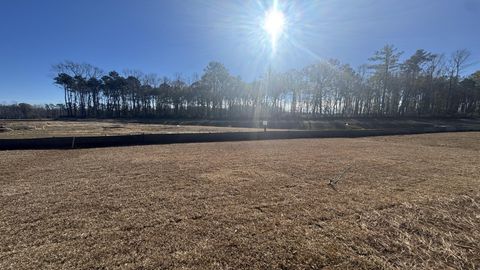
(274, 24)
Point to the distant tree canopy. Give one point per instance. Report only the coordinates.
(27, 111)
(424, 84)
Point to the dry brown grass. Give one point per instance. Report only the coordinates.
(410, 202)
(37, 129)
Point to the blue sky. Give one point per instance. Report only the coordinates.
(169, 37)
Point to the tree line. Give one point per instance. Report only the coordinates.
(28, 111)
(424, 84)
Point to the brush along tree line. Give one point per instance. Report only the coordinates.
(424, 84)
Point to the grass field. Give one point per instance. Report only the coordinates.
(46, 128)
(402, 202)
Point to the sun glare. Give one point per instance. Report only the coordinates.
(273, 24)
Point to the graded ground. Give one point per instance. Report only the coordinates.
(54, 128)
(10, 129)
(402, 202)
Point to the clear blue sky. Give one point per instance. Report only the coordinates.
(169, 37)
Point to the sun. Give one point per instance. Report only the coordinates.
(273, 25)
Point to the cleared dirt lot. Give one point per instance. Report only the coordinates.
(90, 127)
(408, 202)
(39, 129)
